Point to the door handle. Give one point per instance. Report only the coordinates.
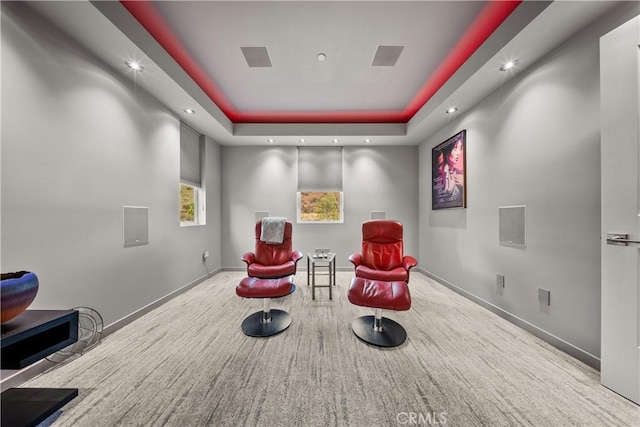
(619, 239)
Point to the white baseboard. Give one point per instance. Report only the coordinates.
(155, 304)
(548, 337)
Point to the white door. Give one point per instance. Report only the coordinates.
(620, 142)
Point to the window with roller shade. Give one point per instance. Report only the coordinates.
(192, 206)
(320, 196)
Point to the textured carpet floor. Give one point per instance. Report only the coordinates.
(188, 363)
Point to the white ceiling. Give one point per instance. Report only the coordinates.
(294, 33)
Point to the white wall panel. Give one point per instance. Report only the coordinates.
(620, 92)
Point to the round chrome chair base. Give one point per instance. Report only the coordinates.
(391, 335)
(254, 327)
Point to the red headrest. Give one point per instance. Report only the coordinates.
(382, 231)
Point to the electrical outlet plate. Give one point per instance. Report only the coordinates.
(500, 280)
(544, 296)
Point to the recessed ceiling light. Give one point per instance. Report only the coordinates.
(189, 111)
(366, 141)
(321, 57)
(270, 140)
(452, 110)
(508, 65)
(336, 140)
(134, 65)
(302, 140)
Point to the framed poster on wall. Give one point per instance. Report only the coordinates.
(448, 173)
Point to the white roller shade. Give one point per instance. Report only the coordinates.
(190, 149)
(320, 168)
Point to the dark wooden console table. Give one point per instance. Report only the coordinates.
(25, 339)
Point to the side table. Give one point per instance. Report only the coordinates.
(326, 260)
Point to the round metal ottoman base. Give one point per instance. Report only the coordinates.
(255, 327)
(392, 333)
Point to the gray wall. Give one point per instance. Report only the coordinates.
(534, 142)
(265, 179)
(78, 143)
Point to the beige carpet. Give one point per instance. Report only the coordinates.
(188, 363)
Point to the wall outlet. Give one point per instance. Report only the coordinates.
(500, 280)
(544, 296)
(205, 255)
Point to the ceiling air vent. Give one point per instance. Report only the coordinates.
(256, 56)
(386, 56)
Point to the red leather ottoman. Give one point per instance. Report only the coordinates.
(380, 295)
(266, 322)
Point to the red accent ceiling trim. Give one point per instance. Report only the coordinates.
(147, 15)
(489, 19)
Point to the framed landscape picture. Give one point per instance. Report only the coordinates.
(448, 173)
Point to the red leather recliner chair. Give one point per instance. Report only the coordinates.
(271, 269)
(269, 260)
(382, 256)
(381, 282)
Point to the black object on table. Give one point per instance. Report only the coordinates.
(27, 338)
(31, 406)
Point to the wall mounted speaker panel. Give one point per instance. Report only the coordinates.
(511, 220)
(378, 215)
(135, 226)
(261, 214)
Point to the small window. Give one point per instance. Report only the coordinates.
(192, 205)
(188, 203)
(320, 206)
(320, 196)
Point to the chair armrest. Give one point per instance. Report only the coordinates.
(249, 258)
(408, 262)
(296, 256)
(356, 259)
